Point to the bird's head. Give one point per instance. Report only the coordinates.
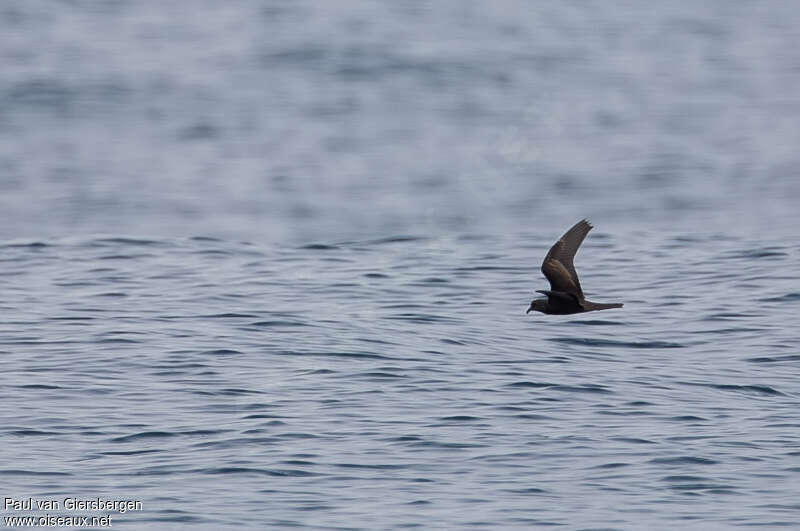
(537, 305)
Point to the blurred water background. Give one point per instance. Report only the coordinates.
(265, 263)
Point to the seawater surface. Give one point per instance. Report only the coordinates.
(265, 263)
(398, 382)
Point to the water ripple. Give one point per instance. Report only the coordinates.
(597, 342)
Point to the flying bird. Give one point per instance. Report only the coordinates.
(565, 295)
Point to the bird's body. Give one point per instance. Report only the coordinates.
(565, 295)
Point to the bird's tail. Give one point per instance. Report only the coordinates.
(603, 306)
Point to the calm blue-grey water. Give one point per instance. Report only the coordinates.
(264, 264)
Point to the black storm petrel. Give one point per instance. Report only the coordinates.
(565, 295)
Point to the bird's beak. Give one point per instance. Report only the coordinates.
(528, 311)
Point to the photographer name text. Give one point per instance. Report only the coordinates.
(71, 504)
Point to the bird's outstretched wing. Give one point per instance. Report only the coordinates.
(558, 266)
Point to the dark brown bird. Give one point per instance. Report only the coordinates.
(565, 295)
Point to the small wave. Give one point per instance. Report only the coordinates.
(261, 416)
(402, 306)
(766, 252)
(212, 252)
(397, 239)
(687, 418)
(775, 359)
(404, 438)
(220, 352)
(528, 490)
(487, 268)
(433, 280)
(757, 389)
(536, 385)
(533, 416)
(236, 392)
(598, 322)
(593, 342)
(711, 487)
(448, 445)
(125, 241)
(319, 247)
(612, 465)
(728, 316)
(748, 389)
(29, 245)
(301, 462)
(143, 435)
(35, 341)
(448, 341)
(17, 472)
(25, 433)
(355, 355)
(277, 323)
(39, 386)
(683, 478)
(422, 318)
(683, 460)
(116, 340)
(586, 388)
(374, 340)
(371, 467)
(723, 331)
(321, 371)
(258, 471)
(131, 452)
(380, 375)
(419, 502)
(795, 296)
(633, 440)
(296, 435)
